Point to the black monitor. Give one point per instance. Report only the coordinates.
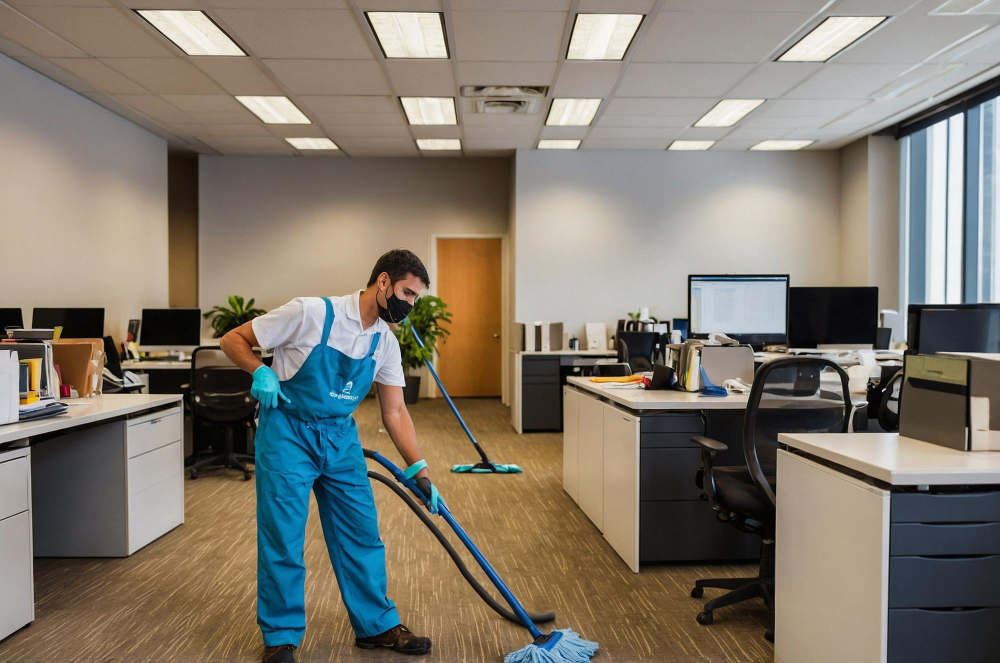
(933, 328)
(170, 328)
(750, 309)
(838, 317)
(10, 317)
(76, 322)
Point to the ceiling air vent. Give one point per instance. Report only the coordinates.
(505, 91)
(504, 106)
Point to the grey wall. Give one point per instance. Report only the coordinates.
(603, 233)
(83, 203)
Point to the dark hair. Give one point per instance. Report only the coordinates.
(397, 264)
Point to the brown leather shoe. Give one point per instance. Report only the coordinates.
(279, 654)
(397, 639)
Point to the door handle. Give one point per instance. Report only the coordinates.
(496, 335)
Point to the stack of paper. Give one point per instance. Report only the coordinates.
(9, 390)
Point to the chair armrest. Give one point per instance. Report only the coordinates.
(709, 444)
(855, 409)
(704, 478)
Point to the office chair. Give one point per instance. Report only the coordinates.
(800, 395)
(219, 397)
(611, 369)
(635, 348)
(888, 407)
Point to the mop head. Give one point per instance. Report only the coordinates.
(562, 646)
(487, 468)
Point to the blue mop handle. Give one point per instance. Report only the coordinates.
(447, 398)
(445, 513)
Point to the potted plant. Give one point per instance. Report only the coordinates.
(226, 319)
(427, 315)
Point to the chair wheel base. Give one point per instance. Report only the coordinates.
(697, 592)
(769, 635)
(704, 618)
(246, 476)
(194, 474)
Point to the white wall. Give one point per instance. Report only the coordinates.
(83, 203)
(603, 233)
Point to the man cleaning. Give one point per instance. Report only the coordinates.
(327, 353)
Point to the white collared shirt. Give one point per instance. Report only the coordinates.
(294, 329)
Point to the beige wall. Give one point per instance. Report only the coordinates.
(83, 203)
(600, 234)
(854, 213)
(183, 212)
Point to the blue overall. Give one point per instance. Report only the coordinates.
(312, 444)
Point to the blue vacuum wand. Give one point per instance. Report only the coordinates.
(485, 465)
(561, 646)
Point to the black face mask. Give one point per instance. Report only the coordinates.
(395, 310)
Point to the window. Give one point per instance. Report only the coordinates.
(982, 206)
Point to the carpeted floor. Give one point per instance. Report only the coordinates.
(190, 596)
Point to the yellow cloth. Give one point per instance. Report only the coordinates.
(623, 379)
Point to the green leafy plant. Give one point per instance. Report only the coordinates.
(427, 316)
(634, 316)
(226, 319)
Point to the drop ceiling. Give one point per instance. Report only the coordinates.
(685, 58)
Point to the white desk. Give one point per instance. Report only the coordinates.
(103, 480)
(887, 550)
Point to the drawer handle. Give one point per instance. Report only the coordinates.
(156, 421)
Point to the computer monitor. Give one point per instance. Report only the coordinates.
(751, 309)
(76, 322)
(10, 317)
(170, 329)
(933, 328)
(832, 317)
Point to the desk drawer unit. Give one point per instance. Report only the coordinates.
(541, 394)
(155, 477)
(944, 577)
(17, 605)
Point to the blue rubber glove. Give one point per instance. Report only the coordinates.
(266, 388)
(431, 491)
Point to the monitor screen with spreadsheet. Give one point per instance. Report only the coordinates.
(749, 308)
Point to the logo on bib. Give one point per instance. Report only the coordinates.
(345, 393)
(348, 387)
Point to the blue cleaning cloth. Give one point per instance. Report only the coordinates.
(710, 389)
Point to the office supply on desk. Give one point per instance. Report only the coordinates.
(841, 317)
(42, 410)
(9, 386)
(45, 382)
(951, 401)
(679, 325)
(10, 317)
(21, 334)
(745, 494)
(753, 309)
(76, 322)
(170, 329)
(81, 364)
(933, 328)
(536, 336)
(663, 377)
(635, 348)
(596, 335)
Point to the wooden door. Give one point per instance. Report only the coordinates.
(469, 281)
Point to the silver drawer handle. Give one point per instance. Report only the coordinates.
(156, 421)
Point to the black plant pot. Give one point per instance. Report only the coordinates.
(411, 392)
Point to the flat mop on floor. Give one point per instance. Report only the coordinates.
(561, 646)
(485, 465)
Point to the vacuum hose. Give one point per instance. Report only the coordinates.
(538, 618)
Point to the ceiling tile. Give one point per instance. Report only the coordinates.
(785, 122)
(162, 4)
(705, 133)
(370, 104)
(425, 131)
(227, 117)
(296, 130)
(499, 36)
(207, 103)
(258, 129)
(154, 107)
(500, 133)
(752, 133)
(369, 131)
(10, 49)
(224, 143)
(348, 119)
(165, 75)
(607, 120)
(799, 107)
(773, 79)
(499, 143)
(298, 33)
(46, 68)
(586, 79)
(633, 133)
(34, 37)
(379, 147)
(101, 32)
(806, 6)
(505, 73)
(99, 75)
(269, 4)
(680, 80)
(415, 78)
(400, 5)
(875, 7)
(616, 6)
(624, 144)
(912, 37)
(835, 81)
(984, 48)
(352, 77)
(240, 76)
(733, 145)
(58, 3)
(716, 37)
(564, 132)
(654, 106)
(513, 5)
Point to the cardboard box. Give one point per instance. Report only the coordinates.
(81, 364)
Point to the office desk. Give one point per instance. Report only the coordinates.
(629, 463)
(538, 378)
(164, 377)
(103, 480)
(887, 550)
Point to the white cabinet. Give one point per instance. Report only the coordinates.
(17, 606)
(621, 484)
(591, 460)
(571, 443)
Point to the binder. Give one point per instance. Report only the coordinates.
(9, 386)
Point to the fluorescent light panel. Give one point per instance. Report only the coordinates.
(312, 143)
(439, 144)
(410, 34)
(274, 110)
(728, 112)
(690, 145)
(558, 144)
(429, 110)
(572, 112)
(192, 31)
(830, 37)
(602, 36)
(779, 145)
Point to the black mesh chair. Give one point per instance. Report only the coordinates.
(888, 407)
(220, 401)
(794, 395)
(635, 348)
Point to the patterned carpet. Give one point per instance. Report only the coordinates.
(190, 596)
